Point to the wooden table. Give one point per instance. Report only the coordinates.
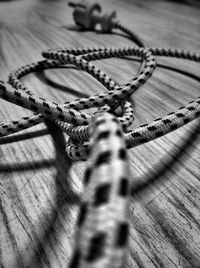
(40, 187)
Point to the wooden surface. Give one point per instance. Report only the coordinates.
(40, 187)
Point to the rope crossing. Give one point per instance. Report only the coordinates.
(102, 226)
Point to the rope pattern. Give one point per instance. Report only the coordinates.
(102, 223)
(102, 227)
(20, 94)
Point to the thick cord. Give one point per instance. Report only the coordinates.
(102, 224)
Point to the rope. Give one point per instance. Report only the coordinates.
(102, 224)
(102, 227)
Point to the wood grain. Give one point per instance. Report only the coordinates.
(40, 187)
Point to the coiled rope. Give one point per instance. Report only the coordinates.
(102, 224)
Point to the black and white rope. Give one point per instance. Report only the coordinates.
(102, 223)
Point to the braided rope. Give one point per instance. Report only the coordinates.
(102, 224)
(20, 94)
